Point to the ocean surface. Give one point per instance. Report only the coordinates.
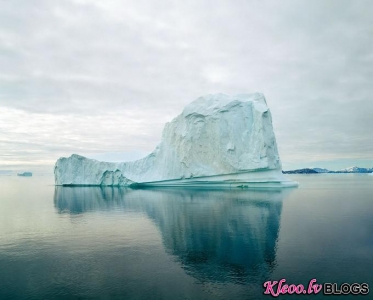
(115, 243)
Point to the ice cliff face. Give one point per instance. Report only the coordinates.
(216, 140)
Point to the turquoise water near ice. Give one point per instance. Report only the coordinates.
(115, 243)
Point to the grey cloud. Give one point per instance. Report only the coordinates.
(146, 60)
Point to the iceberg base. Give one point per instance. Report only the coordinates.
(248, 179)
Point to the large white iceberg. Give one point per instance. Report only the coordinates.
(217, 141)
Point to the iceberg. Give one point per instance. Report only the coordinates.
(217, 141)
(25, 174)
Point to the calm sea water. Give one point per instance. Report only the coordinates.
(110, 243)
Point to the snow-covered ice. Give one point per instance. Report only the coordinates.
(217, 141)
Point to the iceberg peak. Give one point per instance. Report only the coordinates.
(212, 103)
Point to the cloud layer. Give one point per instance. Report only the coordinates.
(102, 77)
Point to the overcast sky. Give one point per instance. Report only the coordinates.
(100, 78)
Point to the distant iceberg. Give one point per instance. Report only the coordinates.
(217, 141)
(25, 174)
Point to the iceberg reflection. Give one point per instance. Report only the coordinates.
(217, 236)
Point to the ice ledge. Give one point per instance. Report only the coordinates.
(250, 179)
